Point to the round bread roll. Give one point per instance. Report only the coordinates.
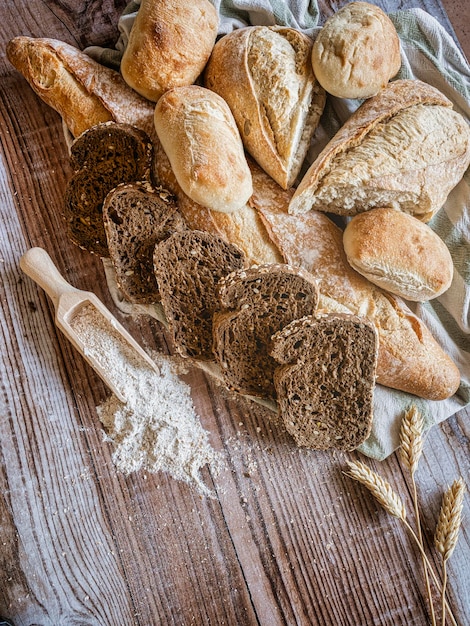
(399, 253)
(169, 44)
(356, 52)
(201, 140)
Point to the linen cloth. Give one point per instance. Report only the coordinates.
(430, 54)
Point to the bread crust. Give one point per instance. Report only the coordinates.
(169, 45)
(275, 130)
(82, 91)
(398, 253)
(396, 97)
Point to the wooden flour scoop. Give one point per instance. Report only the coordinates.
(88, 324)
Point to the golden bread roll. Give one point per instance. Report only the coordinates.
(169, 45)
(356, 52)
(198, 133)
(399, 253)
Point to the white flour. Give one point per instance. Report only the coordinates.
(157, 429)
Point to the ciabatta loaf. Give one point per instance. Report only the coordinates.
(405, 148)
(410, 359)
(188, 266)
(356, 52)
(198, 133)
(325, 383)
(265, 75)
(398, 253)
(169, 45)
(255, 303)
(82, 91)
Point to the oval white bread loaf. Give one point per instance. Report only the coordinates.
(265, 75)
(198, 133)
(356, 52)
(82, 91)
(169, 45)
(410, 359)
(398, 253)
(405, 148)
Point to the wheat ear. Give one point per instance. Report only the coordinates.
(447, 530)
(411, 448)
(392, 503)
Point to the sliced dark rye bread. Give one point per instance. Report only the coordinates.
(110, 141)
(136, 217)
(104, 168)
(188, 267)
(326, 379)
(256, 303)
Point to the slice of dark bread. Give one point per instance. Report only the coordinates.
(256, 303)
(109, 154)
(111, 141)
(136, 217)
(188, 267)
(326, 379)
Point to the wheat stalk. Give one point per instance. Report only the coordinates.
(447, 530)
(392, 503)
(411, 448)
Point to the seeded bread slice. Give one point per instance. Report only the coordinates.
(136, 217)
(109, 154)
(188, 265)
(257, 303)
(326, 379)
(111, 141)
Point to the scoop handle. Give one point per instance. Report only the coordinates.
(39, 266)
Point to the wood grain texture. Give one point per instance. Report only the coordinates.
(288, 539)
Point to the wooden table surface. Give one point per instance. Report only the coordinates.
(289, 539)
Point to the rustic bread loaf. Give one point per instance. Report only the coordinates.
(399, 253)
(198, 133)
(265, 75)
(255, 303)
(356, 52)
(112, 154)
(136, 217)
(243, 227)
(410, 359)
(326, 380)
(405, 148)
(82, 91)
(169, 45)
(188, 265)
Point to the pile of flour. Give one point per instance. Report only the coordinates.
(157, 428)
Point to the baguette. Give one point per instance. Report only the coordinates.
(410, 359)
(83, 92)
(198, 133)
(265, 75)
(169, 45)
(405, 148)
